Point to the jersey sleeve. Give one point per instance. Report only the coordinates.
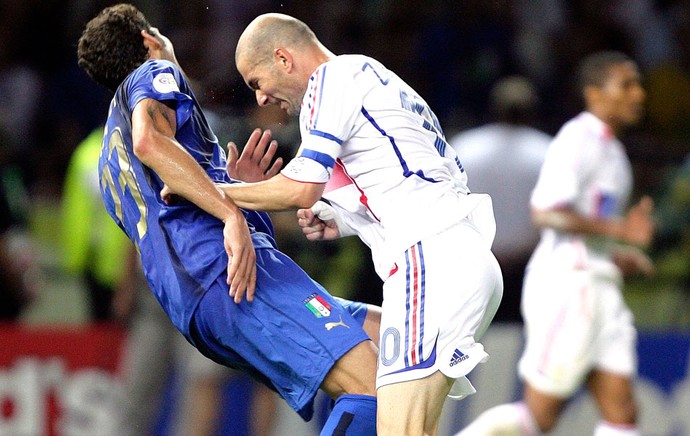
(161, 81)
(329, 109)
(562, 173)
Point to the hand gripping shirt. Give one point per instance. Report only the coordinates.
(390, 172)
(181, 246)
(586, 168)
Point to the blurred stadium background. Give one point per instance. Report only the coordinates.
(60, 369)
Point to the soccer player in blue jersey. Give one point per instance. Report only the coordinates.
(278, 325)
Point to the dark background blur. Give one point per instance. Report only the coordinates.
(451, 51)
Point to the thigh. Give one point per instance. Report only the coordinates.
(412, 407)
(561, 330)
(616, 346)
(289, 337)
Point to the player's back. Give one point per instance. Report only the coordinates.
(181, 246)
(390, 144)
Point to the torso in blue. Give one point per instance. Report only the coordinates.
(181, 246)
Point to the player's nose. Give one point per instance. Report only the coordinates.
(261, 98)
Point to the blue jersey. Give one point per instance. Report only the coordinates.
(180, 247)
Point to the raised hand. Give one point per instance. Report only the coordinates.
(254, 165)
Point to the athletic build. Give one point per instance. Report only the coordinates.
(156, 134)
(375, 150)
(577, 325)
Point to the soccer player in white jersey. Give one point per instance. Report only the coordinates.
(375, 150)
(577, 326)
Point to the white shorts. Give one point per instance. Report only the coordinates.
(439, 299)
(575, 321)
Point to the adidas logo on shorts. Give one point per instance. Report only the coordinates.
(458, 357)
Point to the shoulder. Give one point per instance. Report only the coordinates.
(344, 67)
(163, 75)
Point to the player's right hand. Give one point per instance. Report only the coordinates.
(315, 223)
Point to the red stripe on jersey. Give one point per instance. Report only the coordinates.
(314, 90)
(338, 179)
(415, 303)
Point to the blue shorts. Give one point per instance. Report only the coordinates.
(288, 338)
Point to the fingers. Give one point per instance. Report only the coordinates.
(256, 145)
(241, 277)
(250, 146)
(275, 168)
(645, 205)
(241, 270)
(260, 150)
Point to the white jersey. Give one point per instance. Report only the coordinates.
(393, 177)
(587, 169)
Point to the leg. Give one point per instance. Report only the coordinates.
(513, 419)
(262, 411)
(545, 408)
(352, 383)
(353, 373)
(613, 394)
(399, 404)
(307, 339)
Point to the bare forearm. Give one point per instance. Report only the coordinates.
(566, 220)
(155, 145)
(275, 194)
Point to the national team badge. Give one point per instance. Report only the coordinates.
(165, 83)
(318, 306)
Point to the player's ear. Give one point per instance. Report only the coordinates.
(151, 42)
(283, 58)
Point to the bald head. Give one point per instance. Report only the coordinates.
(271, 31)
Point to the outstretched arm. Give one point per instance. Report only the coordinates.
(153, 133)
(276, 193)
(637, 228)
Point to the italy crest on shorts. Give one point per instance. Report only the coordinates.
(318, 306)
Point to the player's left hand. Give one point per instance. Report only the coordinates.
(254, 165)
(631, 260)
(168, 195)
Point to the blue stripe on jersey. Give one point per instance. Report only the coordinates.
(322, 158)
(429, 362)
(414, 266)
(326, 136)
(422, 299)
(407, 307)
(440, 145)
(406, 171)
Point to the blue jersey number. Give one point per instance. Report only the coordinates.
(126, 181)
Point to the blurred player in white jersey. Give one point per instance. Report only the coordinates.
(578, 329)
(373, 148)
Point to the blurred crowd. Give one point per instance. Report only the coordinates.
(452, 52)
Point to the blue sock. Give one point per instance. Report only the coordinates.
(352, 415)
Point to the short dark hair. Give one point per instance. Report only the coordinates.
(111, 45)
(594, 69)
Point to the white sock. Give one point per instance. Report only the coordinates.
(607, 429)
(513, 419)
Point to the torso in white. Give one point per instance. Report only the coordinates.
(587, 169)
(393, 177)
